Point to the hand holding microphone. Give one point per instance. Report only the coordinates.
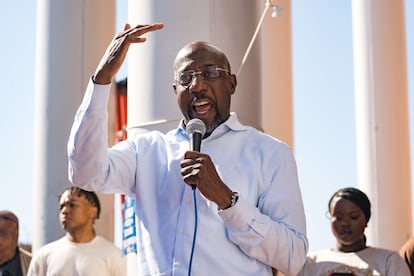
(198, 169)
(195, 130)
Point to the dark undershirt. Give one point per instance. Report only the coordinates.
(12, 267)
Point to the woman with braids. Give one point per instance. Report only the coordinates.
(350, 211)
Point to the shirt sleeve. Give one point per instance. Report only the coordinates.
(396, 265)
(89, 158)
(36, 266)
(307, 267)
(274, 232)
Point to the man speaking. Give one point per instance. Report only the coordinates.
(244, 214)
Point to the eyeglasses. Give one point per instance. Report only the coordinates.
(185, 78)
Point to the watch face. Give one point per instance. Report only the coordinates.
(234, 198)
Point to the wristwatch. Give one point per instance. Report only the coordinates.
(234, 198)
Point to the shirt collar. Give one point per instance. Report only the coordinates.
(232, 123)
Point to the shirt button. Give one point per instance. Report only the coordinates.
(181, 230)
(177, 263)
(187, 200)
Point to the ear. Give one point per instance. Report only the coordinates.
(174, 88)
(233, 82)
(94, 212)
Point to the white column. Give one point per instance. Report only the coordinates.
(383, 150)
(71, 38)
(276, 61)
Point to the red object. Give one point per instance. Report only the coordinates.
(121, 120)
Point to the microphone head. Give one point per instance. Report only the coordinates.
(195, 126)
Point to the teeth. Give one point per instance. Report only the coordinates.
(200, 103)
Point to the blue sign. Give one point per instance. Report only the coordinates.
(129, 241)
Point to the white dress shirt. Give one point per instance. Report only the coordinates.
(266, 227)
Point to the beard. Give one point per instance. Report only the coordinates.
(218, 120)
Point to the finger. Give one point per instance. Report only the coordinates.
(150, 27)
(140, 29)
(200, 160)
(127, 26)
(187, 163)
(135, 34)
(186, 170)
(197, 166)
(190, 168)
(191, 177)
(140, 39)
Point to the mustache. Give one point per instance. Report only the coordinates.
(201, 96)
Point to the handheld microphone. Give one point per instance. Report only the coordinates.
(195, 129)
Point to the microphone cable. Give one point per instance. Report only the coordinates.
(195, 231)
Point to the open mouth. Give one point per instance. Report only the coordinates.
(201, 106)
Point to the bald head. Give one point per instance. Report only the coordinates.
(200, 48)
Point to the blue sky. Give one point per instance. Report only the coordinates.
(324, 138)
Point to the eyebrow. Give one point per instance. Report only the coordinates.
(353, 212)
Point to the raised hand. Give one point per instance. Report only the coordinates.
(116, 52)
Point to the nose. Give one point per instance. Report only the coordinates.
(64, 209)
(346, 222)
(197, 83)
